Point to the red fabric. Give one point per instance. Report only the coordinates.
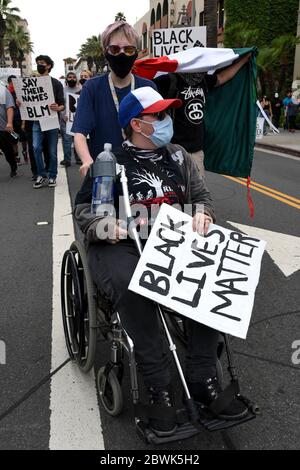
(249, 197)
(148, 68)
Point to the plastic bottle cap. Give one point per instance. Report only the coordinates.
(107, 147)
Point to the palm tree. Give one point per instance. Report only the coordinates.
(240, 35)
(8, 16)
(120, 17)
(284, 50)
(93, 52)
(210, 20)
(18, 43)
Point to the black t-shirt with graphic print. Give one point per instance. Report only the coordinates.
(189, 130)
(145, 187)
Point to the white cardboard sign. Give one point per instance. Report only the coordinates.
(71, 108)
(260, 127)
(171, 41)
(211, 279)
(36, 95)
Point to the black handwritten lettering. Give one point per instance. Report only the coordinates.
(154, 284)
(200, 284)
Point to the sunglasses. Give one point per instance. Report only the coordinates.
(116, 50)
(159, 116)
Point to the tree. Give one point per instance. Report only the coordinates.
(284, 50)
(120, 17)
(93, 52)
(210, 21)
(18, 43)
(8, 17)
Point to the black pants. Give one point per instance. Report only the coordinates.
(112, 267)
(292, 122)
(6, 145)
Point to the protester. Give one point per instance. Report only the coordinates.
(192, 89)
(85, 75)
(17, 123)
(7, 141)
(266, 106)
(71, 86)
(151, 161)
(44, 67)
(97, 112)
(276, 104)
(291, 107)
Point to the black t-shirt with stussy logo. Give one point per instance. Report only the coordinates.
(188, 120)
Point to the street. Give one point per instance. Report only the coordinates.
(61, 412)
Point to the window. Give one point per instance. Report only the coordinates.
(201, 19)
(145, 36)
(152, 21)
(165, 7)
(221, 10)
(158, 12)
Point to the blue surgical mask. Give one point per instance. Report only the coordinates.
(163, 132)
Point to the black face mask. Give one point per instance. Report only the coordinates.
(41, 69)
(82, 81)
(121, 64)
(72, 83)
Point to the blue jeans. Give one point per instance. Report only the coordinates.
(51, 139)
(67, 141)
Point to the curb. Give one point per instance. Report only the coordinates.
(277, 148)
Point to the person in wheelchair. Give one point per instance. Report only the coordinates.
(158, 172)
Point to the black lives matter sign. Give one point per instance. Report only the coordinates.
(171, 41)
(210, 279)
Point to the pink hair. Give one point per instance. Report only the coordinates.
(119, 27)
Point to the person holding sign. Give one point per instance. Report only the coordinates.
(158, 172)
(71, 87)
(44, 67)
(97, 112)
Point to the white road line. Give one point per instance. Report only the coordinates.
(75, 419)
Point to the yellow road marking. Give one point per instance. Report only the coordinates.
(267, 192)
(291, 198)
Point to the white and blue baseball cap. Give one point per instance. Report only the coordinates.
(143, 100)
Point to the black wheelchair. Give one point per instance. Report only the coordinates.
(86, 310)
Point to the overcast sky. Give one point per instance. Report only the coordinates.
(59, 27)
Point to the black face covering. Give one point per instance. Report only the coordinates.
(82, 81)
(41, 69)
(121, 64)
(71, 83)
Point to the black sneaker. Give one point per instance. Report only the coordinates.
(163, 421)
(205, 392)
(40, 182)
(65, 163)
(13, 174)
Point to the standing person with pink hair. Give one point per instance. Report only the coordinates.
(97, 113)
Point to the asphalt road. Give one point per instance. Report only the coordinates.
(264, 360)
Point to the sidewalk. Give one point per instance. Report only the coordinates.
(286, 142)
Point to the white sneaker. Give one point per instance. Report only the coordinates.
(52, 183)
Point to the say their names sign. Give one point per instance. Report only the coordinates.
(171, 41)
(36, 95)
(210, 279)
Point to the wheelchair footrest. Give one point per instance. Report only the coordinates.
(217, 424)
(183, 431)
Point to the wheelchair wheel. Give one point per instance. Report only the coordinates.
(110, 392)
(78, 307)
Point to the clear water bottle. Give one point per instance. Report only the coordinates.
(103, 172)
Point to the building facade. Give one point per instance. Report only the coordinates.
(171, 14)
